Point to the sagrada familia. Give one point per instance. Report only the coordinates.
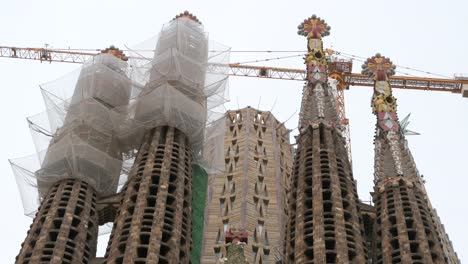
(273, 201)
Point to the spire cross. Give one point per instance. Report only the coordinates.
(314, 27)
(378, 67)
(383, 103)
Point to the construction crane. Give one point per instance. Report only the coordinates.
(339, 69)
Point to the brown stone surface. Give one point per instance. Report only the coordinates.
(65, 227)
(153, 223)
(404, 228)
(407, 226)
(251, 194)
(107, 208)
(368, 220)
(325, 220)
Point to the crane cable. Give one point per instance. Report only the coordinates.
(152, 50)
(268, 59)
(357, 58)
(339, 53)
(303, 52)
(362, 59)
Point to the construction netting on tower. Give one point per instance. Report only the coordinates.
(95, 117)
(176, 88)
(74, 137)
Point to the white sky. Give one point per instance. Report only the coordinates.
(426, 35)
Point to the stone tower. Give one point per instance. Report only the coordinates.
(324, 224)
(65, 227)
(154, 220)
(407, 228)
(82, 164)
(250, 196)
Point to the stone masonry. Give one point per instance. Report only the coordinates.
(65, 227)
(153, 223)
(251, 194)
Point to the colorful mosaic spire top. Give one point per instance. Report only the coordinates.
(378, 67)
(315, 98)
(313, 27)
(385, 108)
(383, 102)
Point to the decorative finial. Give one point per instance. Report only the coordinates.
(116, 52)
(188, 15)
(235, 235)
(314, 27)
(378, 67)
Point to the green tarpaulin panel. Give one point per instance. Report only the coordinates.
(199, 189)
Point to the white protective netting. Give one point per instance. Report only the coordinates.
(84, 143)
(176, 88)
(96, 117)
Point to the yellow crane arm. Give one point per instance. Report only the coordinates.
(346, 78)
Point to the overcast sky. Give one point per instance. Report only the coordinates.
(425, 35)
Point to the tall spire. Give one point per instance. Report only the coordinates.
(154, 219)
(318, 102)
(324, 221)
(380, 69)
(408, 229)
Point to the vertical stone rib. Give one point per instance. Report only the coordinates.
(279, 183)
(316, 185)
(153, 224)
(181, 154)
(65, 227)
(338, 204)
(245, 171)
(298, 230)
(383, 223)
(403, 241)
(292, 216)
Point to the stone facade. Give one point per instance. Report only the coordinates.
(153, 223)
(325, 221)
(65, 227)
(251, 193)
